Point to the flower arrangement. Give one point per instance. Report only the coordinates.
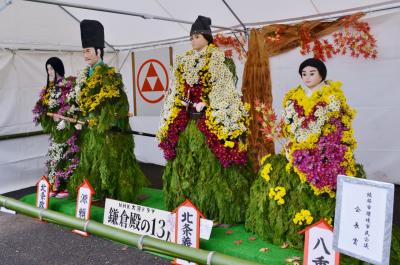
(62, 158)
(265, 170)
(262, 160)
(321, 137)
(42, 104)
(58, 98)
(303, 217)
(271, 126)
(91, 91)
(355, 38)
(230, 44)
(277, 194)
(226, 118)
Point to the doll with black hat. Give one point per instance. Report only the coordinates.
(56, 97)
(107, 156)
(203, 133)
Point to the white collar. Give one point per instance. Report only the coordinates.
(309, 91)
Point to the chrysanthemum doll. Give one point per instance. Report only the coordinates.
(203, 133)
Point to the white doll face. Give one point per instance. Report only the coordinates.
(198, 42)
(90, 56)
(51, 72)
(311, 77)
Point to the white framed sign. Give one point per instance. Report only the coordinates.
(363, 219)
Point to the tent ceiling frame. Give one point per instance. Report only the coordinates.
(13, 50)
(77, 20)
(384, 6)
(241, 23)
(5, 4)
(315, 6)
(121, 12)
(330, 15)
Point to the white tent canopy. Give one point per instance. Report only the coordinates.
(32, 32)
(39, 25)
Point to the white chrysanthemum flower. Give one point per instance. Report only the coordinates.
(224, 99)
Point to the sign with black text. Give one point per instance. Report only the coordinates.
(363, 219)
(138, 219)
(83, 203)
(42, 193)
(187, 228)
(318, 247)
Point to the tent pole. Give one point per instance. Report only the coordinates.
(128, 13)
(125, 59)
(236, 16)
(314, 6)
(241, 23)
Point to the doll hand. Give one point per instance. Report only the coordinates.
(199, 106)
(78, 126)
(287, 148)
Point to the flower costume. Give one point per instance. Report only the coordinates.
(320, 134)
(57, 97)
(107, 157)
(206, 151)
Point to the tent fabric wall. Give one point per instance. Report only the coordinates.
(371, 87)
(22, 162)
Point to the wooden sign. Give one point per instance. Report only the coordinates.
(42, 193)
(187, 228)
(83, 204)
(318, 245)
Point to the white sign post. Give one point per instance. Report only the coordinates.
(187, 228)
(363, 219)
(83, 204)
(318, 248)
(42, 193)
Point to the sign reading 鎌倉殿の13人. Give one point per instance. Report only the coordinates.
(138, 219)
